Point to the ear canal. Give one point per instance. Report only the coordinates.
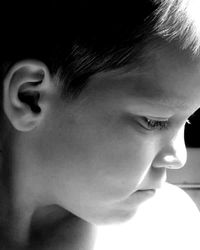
(30, 97)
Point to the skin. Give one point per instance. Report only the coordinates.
(94, 157)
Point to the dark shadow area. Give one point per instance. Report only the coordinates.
(192, 131)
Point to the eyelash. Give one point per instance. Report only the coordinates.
(151, 124)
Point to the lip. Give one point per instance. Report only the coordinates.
(149, 189)
(138, 197)
(144, 194)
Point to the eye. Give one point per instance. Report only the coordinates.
(152, 124)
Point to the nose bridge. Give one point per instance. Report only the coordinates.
(172, 154)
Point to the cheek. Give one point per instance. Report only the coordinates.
(127, 163)
(105, 160)
(116, 162)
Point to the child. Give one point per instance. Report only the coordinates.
(95, 97)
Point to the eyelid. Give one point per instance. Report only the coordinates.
(157, 118)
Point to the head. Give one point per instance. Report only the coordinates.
(95, 99)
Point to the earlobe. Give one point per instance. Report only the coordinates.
(24, 90)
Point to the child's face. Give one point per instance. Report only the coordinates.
(100, 149)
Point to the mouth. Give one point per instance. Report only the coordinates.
(150, 190)
(142, 195)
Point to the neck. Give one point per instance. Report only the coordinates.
(56, 229)
(28, 213)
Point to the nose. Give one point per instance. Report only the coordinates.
(173, 153)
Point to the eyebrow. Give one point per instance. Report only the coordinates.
(157, 96)
(142, 80)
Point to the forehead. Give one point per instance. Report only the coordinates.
(174, 77)
(169, 77)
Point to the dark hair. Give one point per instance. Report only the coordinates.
(77, 39)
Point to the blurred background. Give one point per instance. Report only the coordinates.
(188, 177)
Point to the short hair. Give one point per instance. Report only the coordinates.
(78, 39)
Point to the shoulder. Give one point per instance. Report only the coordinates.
(174, 199)
(170, 220)
(172, 206)
(170, 192)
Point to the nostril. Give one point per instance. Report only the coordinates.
(175, 164)
(169, 161)
(169, 158)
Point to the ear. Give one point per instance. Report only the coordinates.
(26, 89)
